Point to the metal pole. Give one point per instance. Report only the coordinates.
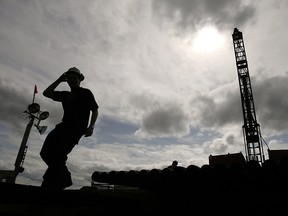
(23, 147)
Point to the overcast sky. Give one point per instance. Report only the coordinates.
(162, 71)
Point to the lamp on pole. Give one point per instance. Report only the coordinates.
(32, 113)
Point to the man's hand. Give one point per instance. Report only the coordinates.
(62, 78)
(89, 131)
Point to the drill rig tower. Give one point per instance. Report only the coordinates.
(251, 129)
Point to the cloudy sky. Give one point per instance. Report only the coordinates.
(162, 71)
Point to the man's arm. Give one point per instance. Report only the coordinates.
(94, 116)
(48, 92)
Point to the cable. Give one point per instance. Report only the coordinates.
(264, 140)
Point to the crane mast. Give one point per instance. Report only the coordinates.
(251, 129)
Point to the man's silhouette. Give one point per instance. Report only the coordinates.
(77, 104)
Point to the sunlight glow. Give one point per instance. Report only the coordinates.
(208, 39)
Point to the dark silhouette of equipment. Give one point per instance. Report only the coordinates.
(251, 129)
(32, 112)
(227, 159)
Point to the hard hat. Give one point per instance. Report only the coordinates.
(77, 71)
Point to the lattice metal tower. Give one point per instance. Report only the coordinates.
(251, 129)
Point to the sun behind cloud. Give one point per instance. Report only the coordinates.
(207, 39)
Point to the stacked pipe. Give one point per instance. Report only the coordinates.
(220, 175)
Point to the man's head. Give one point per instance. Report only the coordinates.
(74, 71)
(174, 163)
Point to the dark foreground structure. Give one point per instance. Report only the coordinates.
(249, 189)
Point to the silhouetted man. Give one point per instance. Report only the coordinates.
(78, 104)
(173, 165)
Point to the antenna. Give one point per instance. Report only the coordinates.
(35, 92)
